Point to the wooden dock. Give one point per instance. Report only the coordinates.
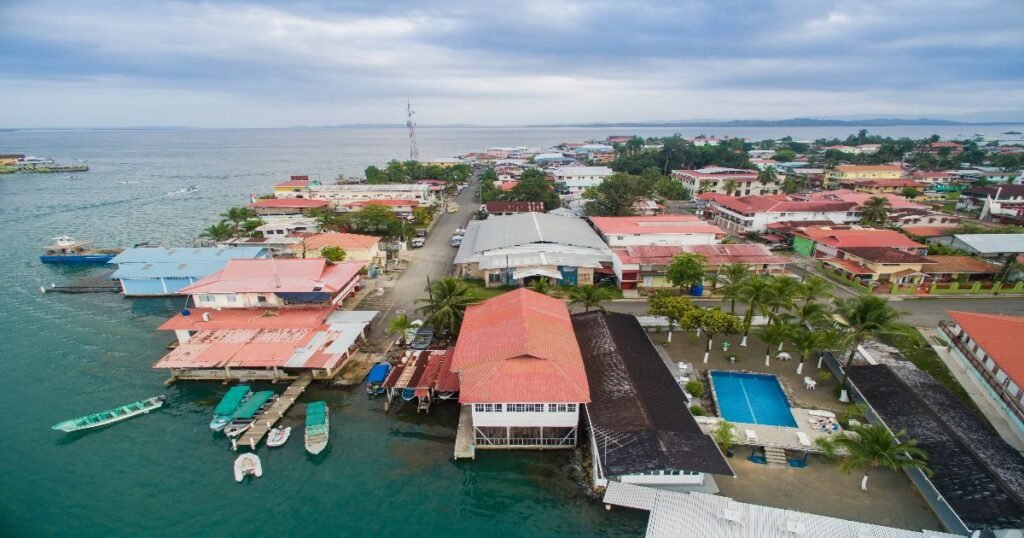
(465, 447)
(266, 421)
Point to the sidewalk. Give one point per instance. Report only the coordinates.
(978, 392)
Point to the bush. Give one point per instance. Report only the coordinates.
(696, 388)
(697, 411)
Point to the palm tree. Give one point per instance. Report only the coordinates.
(775, 333)
(862, 318)
(812, 288)
(757, 291)
(446, 306)
(808, 341)
(732, 278)
(784, 289)
(400, 324)
(238, 215)
(874, 446)
(222, 231)
(768, 175)
(875, 210)
(816, 314)
(543, 286)
(731, 186)
(588, 296)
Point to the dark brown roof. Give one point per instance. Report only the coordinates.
(1004, 191)
(514, 207)
(884, 255)
(637, 410)
(978, 474)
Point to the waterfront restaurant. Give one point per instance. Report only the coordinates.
(272, 283)
(521, 375)
(641, 429)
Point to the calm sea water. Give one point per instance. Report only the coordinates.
(165, 474)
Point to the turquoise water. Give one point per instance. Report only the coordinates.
(752, 399)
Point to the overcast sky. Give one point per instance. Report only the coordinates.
(250, 64)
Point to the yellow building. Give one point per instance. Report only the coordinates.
(852, 172)
(293, 188)
(883, 186)
(446, 162)
(879, 264)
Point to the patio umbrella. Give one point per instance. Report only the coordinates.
(783, 356)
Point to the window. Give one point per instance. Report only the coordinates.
(487, 408)
(229, 297)
(494, 278)
(261, 298)
(572, 408)
(558, 408)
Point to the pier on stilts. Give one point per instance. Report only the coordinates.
(465, 436)
(262, 425)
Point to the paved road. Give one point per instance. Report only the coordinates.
(919, 312)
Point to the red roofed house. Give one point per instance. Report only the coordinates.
(402, 208)
(275, 282)
(826, 241)
(989, 347)
(644, 266)
(357, 247)
(287, 206)
(755, 213)
(656, 230)
(521, 375)
(879, 265)
(726, 181)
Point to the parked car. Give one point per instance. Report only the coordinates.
(424, 336)
(459, 231)
(421, 233)
(417, 242)
(456, 240)
(453, 208)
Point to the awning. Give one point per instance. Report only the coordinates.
(536, 271)
(848, 266)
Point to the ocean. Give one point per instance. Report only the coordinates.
(166, 474)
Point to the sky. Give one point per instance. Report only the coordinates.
(116, 63)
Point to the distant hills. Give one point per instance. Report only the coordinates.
(793, 122)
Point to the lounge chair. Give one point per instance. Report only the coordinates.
(751, 436)
(804, 440)
(820, 413)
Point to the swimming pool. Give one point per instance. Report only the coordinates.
(751, 399)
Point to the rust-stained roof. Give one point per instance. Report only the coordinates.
(278, 276)
(248, 318)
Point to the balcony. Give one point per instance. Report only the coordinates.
(1011, 403)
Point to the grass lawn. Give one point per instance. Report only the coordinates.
(479, 290)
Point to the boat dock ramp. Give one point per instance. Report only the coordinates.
(465, 445)
(94, 284)
(422, 376)
(268, 419)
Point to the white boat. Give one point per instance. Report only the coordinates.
(278, 436)
(247, 464)
(317, 427)
(237, 427)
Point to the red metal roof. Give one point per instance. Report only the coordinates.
(519, 347)
(929, 231)
(343, 240)
(248, 318)
(999, 336)
(257, 348)
(278, 276)
(781, 203)
(303, 203)
(389, 203)
(848, 266)
(860, 198)
(659, 224)
(959, 265)
(294, 182)
(750, 253)
(857, 237)
(883, 255)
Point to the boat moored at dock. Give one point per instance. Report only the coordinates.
(318, 427)
(278, 436)
(229, 404)
(111, 416)
(66, 250)
(248, 412)
(375, 379)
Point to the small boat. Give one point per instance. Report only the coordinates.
(278, 436)
(375, 379)
(65, 249)
(228, 405)
(318, 427)
(253, 407)
(247, 464)
(408, 394)
(111, 416)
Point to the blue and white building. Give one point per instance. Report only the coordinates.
(159, 271)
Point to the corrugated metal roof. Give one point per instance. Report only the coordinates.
(134, 271)
(188, 255)
(676, 514)
(993, 243)
(527, 228)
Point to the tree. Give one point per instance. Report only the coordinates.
(687, 270)
(422, 215)
(862, 318)
(670, 189)
(543, 286)
(812, 288)
(730, 280)
(373, 219)
(872, 446)
(875, 210)
(712, 321)
(768, 175)
(757, 291)
(446, 306)
(334, 254)
(618, 195)
(784, 156)
(222, 231)
(533, 186)
(774, 334)
(784, 290)
(910, 193)
(679, 310)
(588, 296)
(808, 341)
(724, 435)
(731, 186)
(400, 324)
(238, 215)
(249, 227)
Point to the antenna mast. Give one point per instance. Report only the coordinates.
(414, 152)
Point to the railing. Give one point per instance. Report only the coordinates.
(1012, 405)
(567, 442)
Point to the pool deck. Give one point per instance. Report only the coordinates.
(772, 436)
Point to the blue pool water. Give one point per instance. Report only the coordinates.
(752, 399)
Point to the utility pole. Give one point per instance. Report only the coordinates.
(414, 152)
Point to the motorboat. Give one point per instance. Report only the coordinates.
(278, 436)
(111, 416)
